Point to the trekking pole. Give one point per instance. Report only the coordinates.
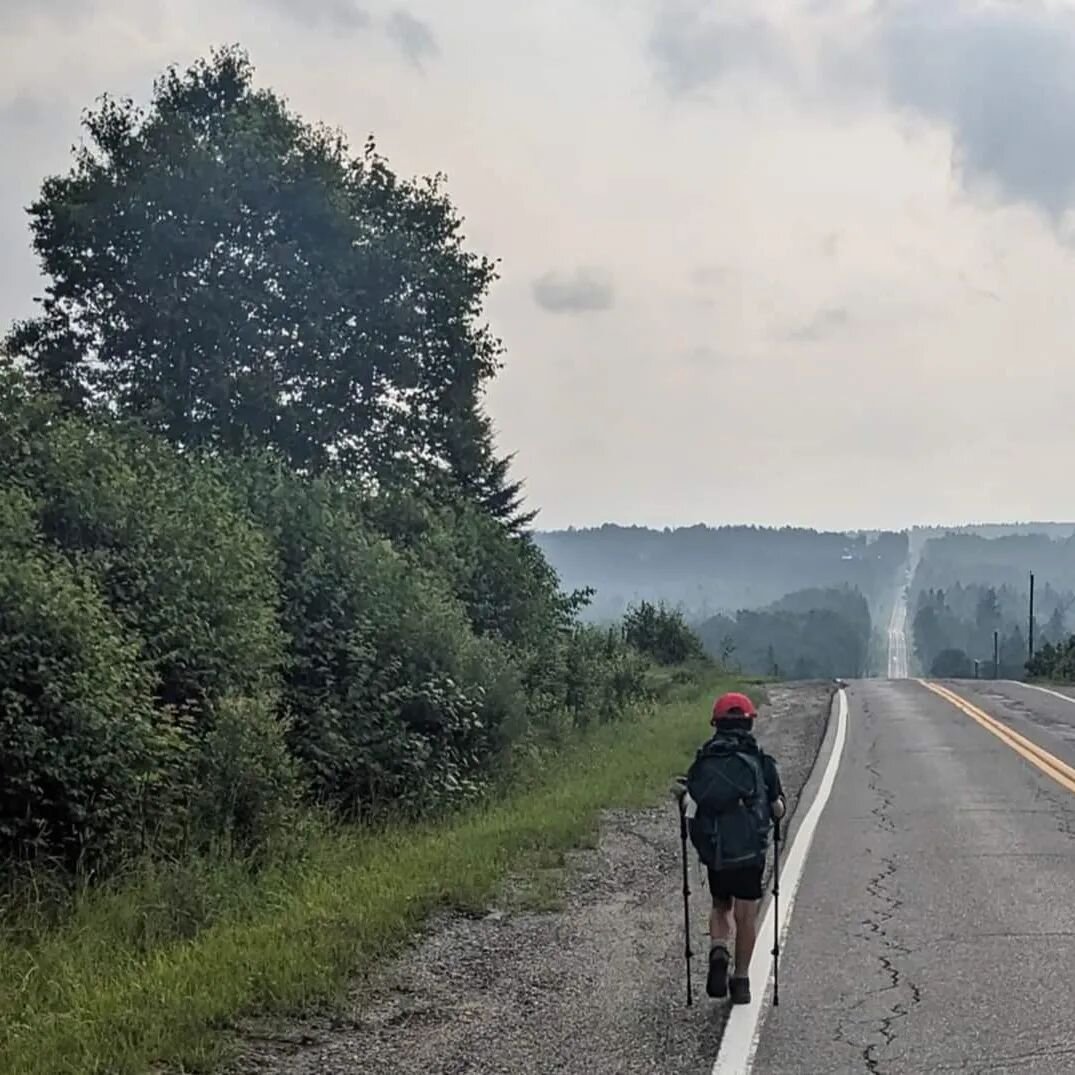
(776, 912)
(686, 899)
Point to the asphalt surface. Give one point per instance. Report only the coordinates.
(596, 988)
(934, 927)
(933, 930)
(1041, 717)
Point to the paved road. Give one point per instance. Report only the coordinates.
(1042, 717)
(897, 639)
(593, 989)
(934, 928)
(898, 654)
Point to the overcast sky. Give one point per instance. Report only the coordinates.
(802, 262)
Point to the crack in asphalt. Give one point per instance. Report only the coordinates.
(887, 904)
(993, 1062)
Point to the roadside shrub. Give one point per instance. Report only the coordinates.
(603, 675)
(247, 788)
(393, 699)
(661, 633)
(175, 555)
(952, 664)
(172, 550)
(78, 746)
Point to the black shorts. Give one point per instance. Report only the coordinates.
(743, 883)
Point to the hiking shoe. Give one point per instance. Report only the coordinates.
(716, 984)
(740, 990)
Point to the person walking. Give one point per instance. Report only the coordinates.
(731, 795)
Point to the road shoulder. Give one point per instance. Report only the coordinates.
(595, 985)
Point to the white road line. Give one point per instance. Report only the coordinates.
(740, 1041)
(1044, 690)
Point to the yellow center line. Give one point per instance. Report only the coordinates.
(1048, 763)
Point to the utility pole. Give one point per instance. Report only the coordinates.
(1030, 626)
(996, 655)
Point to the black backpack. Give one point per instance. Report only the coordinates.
(730, 828)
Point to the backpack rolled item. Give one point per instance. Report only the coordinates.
(686, 898)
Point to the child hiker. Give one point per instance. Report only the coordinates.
(731, 794)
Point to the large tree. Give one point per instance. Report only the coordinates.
(230, 274)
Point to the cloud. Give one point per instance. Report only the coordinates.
(414, 38)
(692, 49)
(999, 75)
(583, 291)
(705, 275)
(703, 355)
(1002, 78)
(22, 111)
(342, 15)
(823, 324)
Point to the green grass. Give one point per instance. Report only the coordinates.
(152, 969)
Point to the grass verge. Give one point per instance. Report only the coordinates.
(118, 987)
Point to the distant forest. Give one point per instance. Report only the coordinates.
(968, 586)
(809, 634)
(789, 603)
(706, 571)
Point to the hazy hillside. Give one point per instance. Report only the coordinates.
(968, 585)
(708, 570)
(809, 634)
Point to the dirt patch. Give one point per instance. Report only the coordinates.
(595, 987)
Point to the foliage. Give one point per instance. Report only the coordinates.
(808, 634)
(77, 742)
(260, 548)
(232, 276)
(393, 698)
(966, 616)
(707, 571)
(1054, 662)
(247, 786)
(952, 664)
(286, 635)
(660, 632)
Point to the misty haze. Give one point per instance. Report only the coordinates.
(532, 537)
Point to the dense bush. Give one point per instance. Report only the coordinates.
(267, 636)
(1055, 662)
(78, 749)
(661, 633)
(952, 664)
(391, 694)
(258, 546)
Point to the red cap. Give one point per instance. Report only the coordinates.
(733, 704)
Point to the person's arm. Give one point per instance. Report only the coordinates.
(777, 802)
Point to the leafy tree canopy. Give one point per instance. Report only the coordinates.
(232, 275)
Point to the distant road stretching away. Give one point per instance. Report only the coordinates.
(898, 665)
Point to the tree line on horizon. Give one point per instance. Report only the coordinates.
(969, 588)
(816, 633)
(710, 571)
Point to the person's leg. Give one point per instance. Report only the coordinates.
(720, 922)
(746, 933)
(720, 938)
(745, 912)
